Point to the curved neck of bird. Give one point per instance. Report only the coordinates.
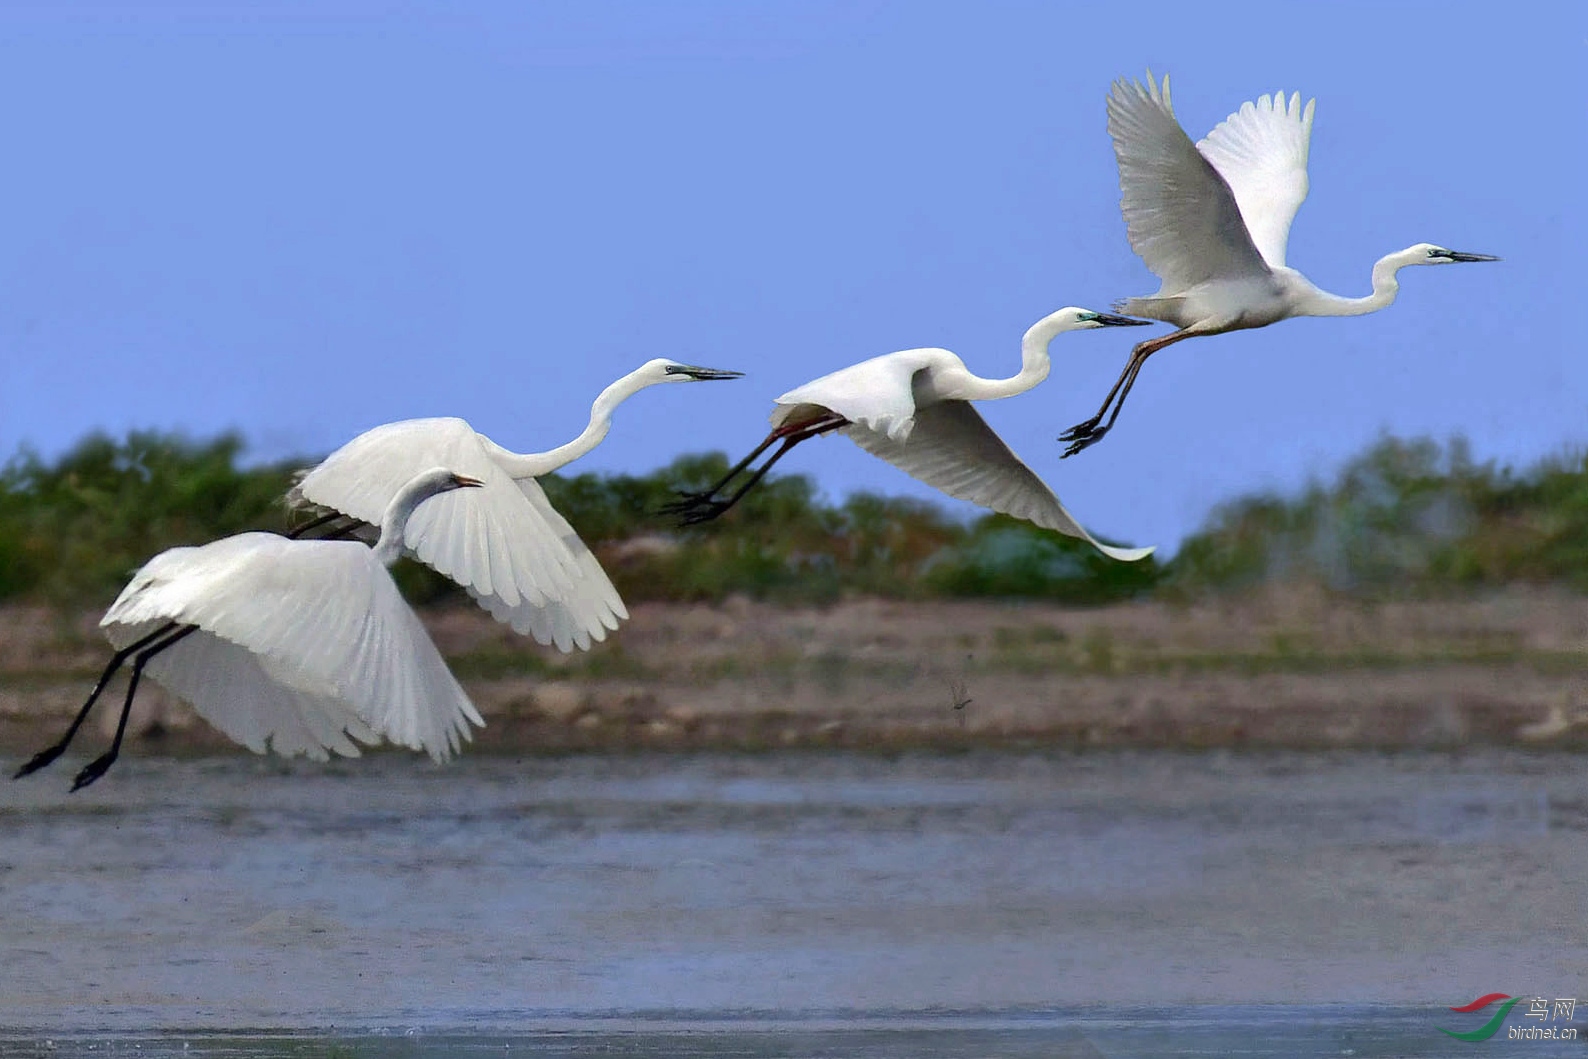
(1034, 363)
(1385, 287)
(389, 545)
(535, 464)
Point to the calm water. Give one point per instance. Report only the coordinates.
(810, 905)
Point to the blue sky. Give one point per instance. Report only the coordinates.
(301, 220)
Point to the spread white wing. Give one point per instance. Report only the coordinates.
(1181, 216)
(586, 613)
(493, 540)
(228, 686)
(315, 629)
(953, 449)
(1261, 152)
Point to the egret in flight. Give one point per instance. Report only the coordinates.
(504, 543)
(912, 408)
(1212, 219)
(301, 646)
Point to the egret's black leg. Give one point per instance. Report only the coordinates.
(336, 534)
(97, 767)
(688, 499)
(1086, 428)
(50, 753)
(1090, 432)
(314, 524)
(706, 508)
(1131, 381)
(1093, 433)
(342, 533)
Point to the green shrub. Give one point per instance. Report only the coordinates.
(72, 531)
(1406, 515)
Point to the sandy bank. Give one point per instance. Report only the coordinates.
(1285, 669)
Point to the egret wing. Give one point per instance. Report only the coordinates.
(1261, 152)
(1180, 214)
(953, 449)
(322, 618)
(227, 686)
(491, 540)
(876, 394)
(591, 609)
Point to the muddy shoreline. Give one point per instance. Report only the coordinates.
(1284, 669)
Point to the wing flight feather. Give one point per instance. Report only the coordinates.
(492, 540)
(953, 449)
(298, 640)
(1180, 214)
(1261, 152)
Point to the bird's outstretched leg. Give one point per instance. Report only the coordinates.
(101, 764)
(1094, 432)
(50, 753)
(699, 509)
(695, 508)
(688, 499)
(347, 531)
(338, 533)
(313, 524)
(1085, 434)
(145, 648)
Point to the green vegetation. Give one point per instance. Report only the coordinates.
(1404, 517)
(73, 530)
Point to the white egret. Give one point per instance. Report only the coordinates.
(1212, 220)
(912, 408)
(504, 543)
(299, 646)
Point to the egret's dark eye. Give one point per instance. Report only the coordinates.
(1436, 252)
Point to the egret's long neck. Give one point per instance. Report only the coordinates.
(389, 545)
(1385, 286)
(535, 464)
(1034, 363)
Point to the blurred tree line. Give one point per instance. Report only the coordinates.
(1411, 516)
(1406, 516)
(72, 531)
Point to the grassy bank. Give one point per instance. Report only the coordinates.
(1418, 599)
(1278, 668)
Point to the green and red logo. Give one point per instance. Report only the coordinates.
(1490, 1028)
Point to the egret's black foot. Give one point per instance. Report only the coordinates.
(704, 511)
(1082, 430)
(39, 760)
(686, 502)
(93, 770)
(695, 508)
(1082, 443)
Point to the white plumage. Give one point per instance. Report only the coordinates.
(295, 646)
(300, 644)
(1261, 152)
(505, 543)
(1213, 219)
(912, 408)
(495, 541)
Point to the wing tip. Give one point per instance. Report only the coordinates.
(1125, 555)
(1150, 92)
